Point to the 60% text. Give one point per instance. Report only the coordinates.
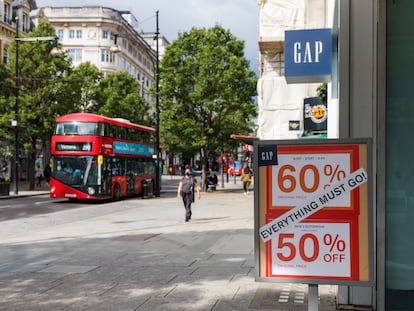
(289, 178)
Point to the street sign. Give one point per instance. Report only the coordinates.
(313, 217)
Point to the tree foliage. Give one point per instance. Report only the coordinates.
(78, 90)
(6, 97)
(37, 72)
(322, 92)
(51, 87)
(206, 93)
(117, 95)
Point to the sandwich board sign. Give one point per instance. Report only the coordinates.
(313, 212)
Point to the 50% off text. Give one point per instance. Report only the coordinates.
(308, 248)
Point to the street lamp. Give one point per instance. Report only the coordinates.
(115, 48)
(157, 111)
(54, 52)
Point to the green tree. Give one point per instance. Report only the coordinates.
(206, 93)
(6, 101)
(6, 95)
(39, 72)
(117, 95)
(322, 92)
(77, 91)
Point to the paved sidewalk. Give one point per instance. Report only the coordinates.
(24, 190)
(140, 255)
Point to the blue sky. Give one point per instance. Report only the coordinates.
(241, 17)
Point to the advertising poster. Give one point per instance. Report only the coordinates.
(313, 213)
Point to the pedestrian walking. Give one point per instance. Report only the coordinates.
(39, 176)
(4, 171)
(47, 172)
(186, 190)
(246, 179)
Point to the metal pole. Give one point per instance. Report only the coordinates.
(16, 115)
(227, 169)
(313, 300)
(157, 112)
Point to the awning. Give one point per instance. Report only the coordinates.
(244, 138)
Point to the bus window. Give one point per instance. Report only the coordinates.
(91, 175)
(70, 129)
(60, 130)
(88, 128)
(72, 170)
(112, 130)
(106, 129)
(149, 166)
(107, 176)
(101, 129)
(121, 132)
(76, 128)
(145, 136)
(118, 166)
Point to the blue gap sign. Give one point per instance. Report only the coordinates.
(308, 55)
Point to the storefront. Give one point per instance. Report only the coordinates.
(375, 99)
(399, 248)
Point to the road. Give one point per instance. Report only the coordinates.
(23, 207)
(30, 206)
(22, 214)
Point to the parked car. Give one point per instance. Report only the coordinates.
(236, 168)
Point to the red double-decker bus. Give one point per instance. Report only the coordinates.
(96, 157)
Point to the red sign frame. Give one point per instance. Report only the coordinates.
(332, 245)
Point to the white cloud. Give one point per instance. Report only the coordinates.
(241, 17)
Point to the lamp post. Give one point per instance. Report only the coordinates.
(157, 112)
(15, 123)
(16, 115)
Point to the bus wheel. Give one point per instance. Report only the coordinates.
(117, 192)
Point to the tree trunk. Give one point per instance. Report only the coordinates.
(31, 165)
(204, 168)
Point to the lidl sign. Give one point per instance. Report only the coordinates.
(308, 55)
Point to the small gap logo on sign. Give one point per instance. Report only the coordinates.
(267, 155)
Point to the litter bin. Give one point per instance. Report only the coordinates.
(4, 188)
(147, 189)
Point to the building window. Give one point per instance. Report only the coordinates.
(121, 63)
(107, 56)
(75, 34)
(25, 23)
(105, 34)
(5, 54)
(6, 18)
(60, 33)
(75, 55)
